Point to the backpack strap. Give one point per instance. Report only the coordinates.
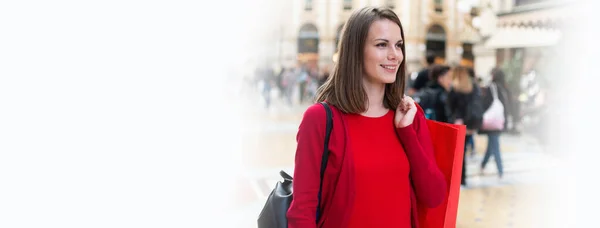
(325, 157)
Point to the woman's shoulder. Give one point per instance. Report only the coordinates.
(314, 109)
(316, 112)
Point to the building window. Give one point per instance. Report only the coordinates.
(438, 5)
(468, 52)
(347, 4)
(390, 4)
(435, 41)
(308, 39)
(308, 5)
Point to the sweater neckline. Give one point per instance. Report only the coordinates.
(374, 117)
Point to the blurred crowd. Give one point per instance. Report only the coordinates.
(454, 94)
(292, 85)
(297, 85)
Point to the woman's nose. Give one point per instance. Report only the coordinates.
(393, 54)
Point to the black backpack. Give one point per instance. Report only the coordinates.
(428, 99)
(274, 213)
(474, 113)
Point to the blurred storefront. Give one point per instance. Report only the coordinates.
(523, 30)
(312, 30)
(521, 37)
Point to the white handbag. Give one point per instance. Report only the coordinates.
(493, 118)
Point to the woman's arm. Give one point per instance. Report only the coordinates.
(428, 180)
(310, 138)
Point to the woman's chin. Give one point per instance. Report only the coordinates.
(388, 79)
(384, 79)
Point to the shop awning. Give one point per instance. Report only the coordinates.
(522, 37)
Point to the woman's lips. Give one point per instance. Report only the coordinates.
(389, 68)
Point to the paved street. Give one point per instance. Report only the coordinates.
(487, 202)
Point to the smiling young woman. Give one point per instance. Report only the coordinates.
(381, 163)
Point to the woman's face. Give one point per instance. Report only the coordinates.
(383, 52)
(445, 80)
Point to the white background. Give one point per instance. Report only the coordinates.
(117, 113)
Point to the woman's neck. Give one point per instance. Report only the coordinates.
(375, 94)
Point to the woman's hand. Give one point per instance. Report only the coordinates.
(405, 112)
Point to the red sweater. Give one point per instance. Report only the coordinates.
(379, 158)
(428, 186)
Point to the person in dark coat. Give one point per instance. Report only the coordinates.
(464, 101)
(433, 98)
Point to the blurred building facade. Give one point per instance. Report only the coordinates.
(512, 34)
(526, 40)
(310, 30)
(520, 35)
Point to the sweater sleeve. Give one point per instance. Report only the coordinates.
(428, 180)
(309, 151)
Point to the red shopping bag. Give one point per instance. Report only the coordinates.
(448, 145)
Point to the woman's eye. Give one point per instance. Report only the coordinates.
(381, 45)
(399, 45)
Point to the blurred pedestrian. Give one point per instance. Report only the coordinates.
(464, 101)
(423, 76)
(470, 141)
(324, 76)
(433, 98)
(499, 89)
(303, 80)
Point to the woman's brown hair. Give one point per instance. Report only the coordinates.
(344, 88)
(461, 80)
